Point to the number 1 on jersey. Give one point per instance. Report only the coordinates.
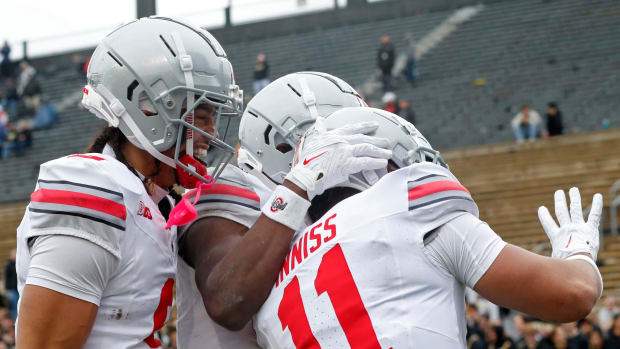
(333, 277)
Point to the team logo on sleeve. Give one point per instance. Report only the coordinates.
(278, 204)
(144, 211)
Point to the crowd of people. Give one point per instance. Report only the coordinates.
(23, 106)
(492, 327)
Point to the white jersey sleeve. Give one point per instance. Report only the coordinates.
(77, 195)
(465, 247)
(72, 266)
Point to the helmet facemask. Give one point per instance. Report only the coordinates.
(170, 85)
(190, 162)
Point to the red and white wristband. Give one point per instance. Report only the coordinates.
(286, 207)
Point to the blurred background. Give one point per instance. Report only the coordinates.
(522, 97)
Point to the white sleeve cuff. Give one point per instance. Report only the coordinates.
(64, 289)
(465, 247)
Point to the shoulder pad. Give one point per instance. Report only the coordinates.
(429, 185)
(80, 195)
(435, 196)
(428, 192)
(232, 187)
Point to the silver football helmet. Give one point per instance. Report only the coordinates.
(408, 145)
(277, 117)
(148, 76)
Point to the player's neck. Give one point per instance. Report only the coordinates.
(146, 165)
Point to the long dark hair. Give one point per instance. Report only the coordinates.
(116, 139)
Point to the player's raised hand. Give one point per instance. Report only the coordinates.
(573, 235)
(324, 159)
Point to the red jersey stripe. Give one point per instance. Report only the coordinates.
(434, 187)
(93, 157)
(72, 198)
(225, 189)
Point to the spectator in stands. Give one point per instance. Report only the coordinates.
(19, 138)
(10, 284)
(607, 312)
(11, 98)
(4, 120)
(574, 338)
(409, 71)
(7, 330)
(495, 339)
(385, 61)
(80, 64)
(526, 124)
(261, 71)
(596, 339)
(28, 87)
(613, 335)
(472, 322)
(6, 67)
(585, 327)
(529, 337)
(32, 97)
(389, 102)
(9, 140)
(46, 116)
(405, 111)
(554, 120)
(4, 116)
(26, 75)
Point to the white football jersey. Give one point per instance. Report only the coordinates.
(360, 278)
(236, 196)
(97, 198)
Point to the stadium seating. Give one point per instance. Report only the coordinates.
(527, 51)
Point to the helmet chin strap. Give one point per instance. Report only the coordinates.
(309, 98)
(185, 61)
(254, 167)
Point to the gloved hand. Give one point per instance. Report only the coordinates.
(573, 235)
(324, 159)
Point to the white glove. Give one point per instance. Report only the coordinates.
(324, 159)
(573, 235)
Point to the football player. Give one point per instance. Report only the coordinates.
(387, 268)
(96, 261)
(228, 249)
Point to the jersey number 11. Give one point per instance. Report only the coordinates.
(333, 277)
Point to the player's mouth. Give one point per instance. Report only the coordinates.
(200, 150)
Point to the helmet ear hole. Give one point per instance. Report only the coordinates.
(284, 148)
